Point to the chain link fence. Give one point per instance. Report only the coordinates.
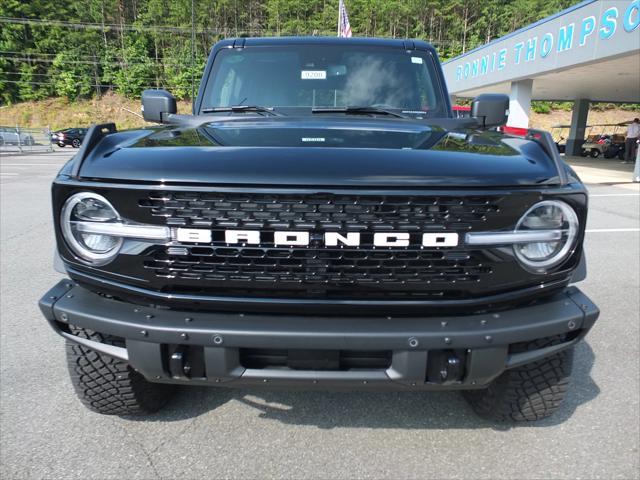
(25, 140)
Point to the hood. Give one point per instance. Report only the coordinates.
(350, 152)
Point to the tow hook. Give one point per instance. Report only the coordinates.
(178, 364)
(444, 367)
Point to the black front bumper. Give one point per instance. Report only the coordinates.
(152, 338)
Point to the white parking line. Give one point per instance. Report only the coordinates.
(611, 230)
(614, 194)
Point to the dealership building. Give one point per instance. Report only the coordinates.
(587, 53)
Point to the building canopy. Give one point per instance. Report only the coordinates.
(589, 51)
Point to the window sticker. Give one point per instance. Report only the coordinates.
(313, 75)
(417, 60)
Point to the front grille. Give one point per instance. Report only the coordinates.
(323, 269)
(316, 270)
(321, 212)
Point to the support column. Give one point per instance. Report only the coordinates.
(520, 103)
(578, 127)
(636, 170)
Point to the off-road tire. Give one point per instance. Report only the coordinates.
(110, 386)
(527, 393)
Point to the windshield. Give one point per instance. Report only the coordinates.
(324, 76)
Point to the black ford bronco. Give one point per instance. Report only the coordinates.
(320, 221)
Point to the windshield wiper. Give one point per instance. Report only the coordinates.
(364, 110)
(241, 108)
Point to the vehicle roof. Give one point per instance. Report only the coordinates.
(379, 42)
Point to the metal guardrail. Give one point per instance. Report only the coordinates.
(25, 140)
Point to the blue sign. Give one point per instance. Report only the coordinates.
(577, 35)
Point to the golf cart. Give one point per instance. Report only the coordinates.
(605, 139)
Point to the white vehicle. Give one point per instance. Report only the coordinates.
(11, 136)
(605, 139)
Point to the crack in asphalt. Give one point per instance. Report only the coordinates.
(176, 436)
(148, 454)
(25, 232)
(140, 446)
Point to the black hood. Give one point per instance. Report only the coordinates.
(319, 152)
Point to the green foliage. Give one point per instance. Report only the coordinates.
(541, 107)
(547, 107)
(136, 68)
(127, 45)
(601, 107)
(71, 80)
(565, 106)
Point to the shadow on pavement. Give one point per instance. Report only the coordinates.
(362, 409)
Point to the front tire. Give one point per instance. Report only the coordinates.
(595, 153)
(527, 393)
(76, 143)
(110, 386)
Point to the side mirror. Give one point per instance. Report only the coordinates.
(157, 105)
(490, 109)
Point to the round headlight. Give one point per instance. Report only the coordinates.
(93, 248)
(549, 215)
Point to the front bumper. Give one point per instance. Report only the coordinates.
(156, 341)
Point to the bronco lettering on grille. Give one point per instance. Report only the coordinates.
(331, 239)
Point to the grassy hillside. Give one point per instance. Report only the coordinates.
(59, 113)
(545, 121)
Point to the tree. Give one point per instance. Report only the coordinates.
(129, 45)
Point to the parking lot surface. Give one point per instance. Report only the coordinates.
(204, 433)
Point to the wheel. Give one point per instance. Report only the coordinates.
(110, 386)
(76, 143)
(610, 152)
(61, 145)
(527, 393)
(595, 153)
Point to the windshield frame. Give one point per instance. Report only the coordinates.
(426, 50)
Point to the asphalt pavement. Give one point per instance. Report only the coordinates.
(208, 433)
